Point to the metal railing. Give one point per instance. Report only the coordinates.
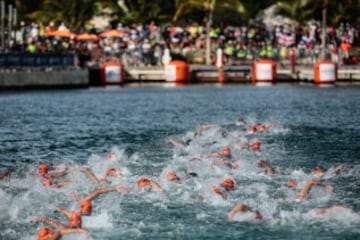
(33, 61)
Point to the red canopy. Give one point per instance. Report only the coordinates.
(61, 33)
(87, 37)
(112, 33)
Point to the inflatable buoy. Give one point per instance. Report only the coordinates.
(177, 71)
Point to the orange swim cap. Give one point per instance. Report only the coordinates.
(318, 171)
(252, 129)
(217, 191)
(44, 233)
(226, 151)
(75, 220)
(143, 182)
(111, 172)
(261, 127)
(43, 169)
(228, 184)
(291, 184)
(171, 176)
(255, 146)
(85, 207)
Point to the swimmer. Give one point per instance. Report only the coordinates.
(44, 172)
(260, 127)
(243, 209)
(172, 177)
(225, 153)
(226, 186)
(252, 129)
(85, 203)
(267, 168)
(320, 171)
(254, 146)
(223, 158)
(202, 128)
(110, 172)
(219, 192)
(307, 188)
(178, 143)
(74, 218)
(338, 169)
(291, 184)
(50, 183)
(61, 229)
(329, 210)
(147, 184)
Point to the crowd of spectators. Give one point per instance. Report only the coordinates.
(142, 45)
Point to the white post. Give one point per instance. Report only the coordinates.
(219, 58)
(166, 58)
(2, 25)
(10, 23)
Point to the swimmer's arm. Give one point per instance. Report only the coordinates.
(305, 190)
(100, 191)
(176, 143)
(65, 231)
(49, 222)
(65, 212)
(56, 236)
(222, 162)
(155, 187)
(63, 183)
(201, 128)
(61, 173)
(238, 208)
(328, 188)
(337, 170)
(90, 174)
(268, 169)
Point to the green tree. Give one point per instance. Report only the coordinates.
(208, 6)
(75, 14)
(140, 11)
(298, 10)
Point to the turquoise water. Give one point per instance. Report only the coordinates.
(311, 126)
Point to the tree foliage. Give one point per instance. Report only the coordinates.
(76, 13)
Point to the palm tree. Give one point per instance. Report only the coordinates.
(208, 6)
(140, 11)
(74, 14)
(298, 10)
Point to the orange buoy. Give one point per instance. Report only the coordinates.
(221, 75)
(112, 73)
(325, 72)
(264, 71)
(177, 71)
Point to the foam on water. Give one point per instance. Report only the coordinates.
(24, 198)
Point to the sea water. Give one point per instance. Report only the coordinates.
(310, 126)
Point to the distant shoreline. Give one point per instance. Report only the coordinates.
(142, 76)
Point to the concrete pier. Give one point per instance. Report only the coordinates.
(198, 74)
(44, 79)
(238, 74)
